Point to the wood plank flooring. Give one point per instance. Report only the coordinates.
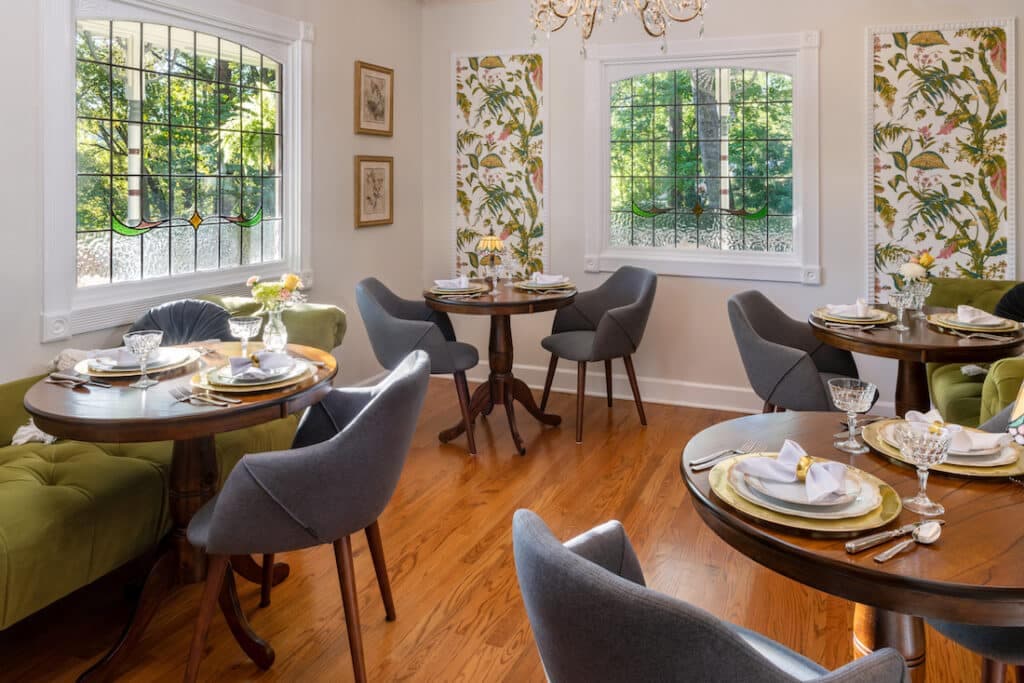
(447, 537)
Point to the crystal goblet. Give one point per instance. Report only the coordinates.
(854, 396)
(900, 300)
(245, 327)
(921, 290)
(923, 445)
(141, 345)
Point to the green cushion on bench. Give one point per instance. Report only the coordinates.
(318, 325)
(1001, 386)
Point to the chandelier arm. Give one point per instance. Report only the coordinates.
(568, 13)
(698, 10)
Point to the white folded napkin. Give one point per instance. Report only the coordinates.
(976, 316)
(243, 368)
(962, 441)
(112, 357)
(859, 309)
(461, 282)
(30, 433)
(543, 279)
(823, 478)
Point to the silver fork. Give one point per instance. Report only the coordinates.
(181, 394)
(979, 335)
(841, 326)
(709, 461)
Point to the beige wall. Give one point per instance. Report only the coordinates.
(688, 345)
(385, 32)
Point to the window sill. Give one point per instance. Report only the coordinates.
(717, 264)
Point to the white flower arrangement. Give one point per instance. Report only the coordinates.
(913, 271)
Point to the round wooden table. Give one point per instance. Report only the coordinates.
(922, 343)
(502, 387)
(122, 414)
(973, 574)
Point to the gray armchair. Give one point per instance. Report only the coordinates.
(347, 456)
(593, 619)
(787, 366)
(398, 326)
(185, 321)
(601, 325)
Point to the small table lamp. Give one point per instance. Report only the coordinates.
(490, 247)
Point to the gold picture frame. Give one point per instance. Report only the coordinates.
(374, 99)
(374, 191)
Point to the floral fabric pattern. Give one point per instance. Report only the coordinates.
(499, 161)
(941, 144)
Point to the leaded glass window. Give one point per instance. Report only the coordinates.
(178, 153)
(702, 159)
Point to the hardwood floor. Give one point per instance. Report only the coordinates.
(447, 539)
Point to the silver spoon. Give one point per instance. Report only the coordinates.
(926, 534)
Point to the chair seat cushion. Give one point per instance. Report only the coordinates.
(1003, 644)
(955, 395)
(577, 345)
(459, 357)
(794, 664)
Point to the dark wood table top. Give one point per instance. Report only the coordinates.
(505, 300)
(124, 414)
(922, 342)
(973, 574)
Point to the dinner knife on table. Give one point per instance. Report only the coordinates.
(859, 544)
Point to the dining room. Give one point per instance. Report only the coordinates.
(603, 340)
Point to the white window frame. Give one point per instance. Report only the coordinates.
(68, 309)
(793, 53)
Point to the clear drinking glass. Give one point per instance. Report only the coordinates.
(899, 301)
(854, 396)
(245, 327)
(921, 290)
(924, 445)
(141, 345)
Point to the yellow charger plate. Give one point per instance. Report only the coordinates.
(884, 317)
(872, 434)
(533, 286)
(949, 320)
(84, 368)
(198, 382)
(464, 290)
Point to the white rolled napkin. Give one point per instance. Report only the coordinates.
(461, 282)
(859, 309)
(543, 279)
(962, 440)
(30, 433)
(112, 357)
(823, 478)
(243, 368)
(976, 316)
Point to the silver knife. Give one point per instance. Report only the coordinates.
(708, 458)
(857, 545)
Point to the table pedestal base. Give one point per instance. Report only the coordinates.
(874, 629)
(912, 388)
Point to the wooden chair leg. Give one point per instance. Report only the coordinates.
(347, 580)
(636, 389)
(993, 671)
(547, 382)
(381, 568)
(268, 579)
(217, 568)
(1019, 669)
(608, 380)
(462, 387)
(768, 408)
(581, 388)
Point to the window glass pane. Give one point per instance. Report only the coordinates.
(183, 249)
(126, 46)
(183, 101)
(127, 259)
(271, 240)
(183, 53)
(155, 252)
(93, 146)
(154, 47)
(207, 50)
(229, 70)
(126, 94)
(92, 41)
(271, 74)
(93, 258)
(93, 203)
(93, 96)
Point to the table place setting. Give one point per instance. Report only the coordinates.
(459, 288)
(144, 356)
(969, 322)
(856, 316)
(260, 371)
(542, 283)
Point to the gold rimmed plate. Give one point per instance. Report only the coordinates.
(872, 435)
(539, 287)
(174, 359)
(948, 320)
(878, 317)
(300, 373)
(474, 289)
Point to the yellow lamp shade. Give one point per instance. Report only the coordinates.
(490, 244)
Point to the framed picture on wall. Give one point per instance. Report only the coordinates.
(374, 99)
(375, 196)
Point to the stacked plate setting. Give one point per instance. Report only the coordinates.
(530, 286)
(162, 360)
(997, 456)
(875, 316)
(950, 321)
(473, 288)
(221, 379)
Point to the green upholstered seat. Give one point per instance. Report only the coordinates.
(318, 325)
(1002, 385)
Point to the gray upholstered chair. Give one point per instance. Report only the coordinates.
(338, 477)
(398, 326)
(788, 367)
(185, 321)
(593, 619)
(601, 325)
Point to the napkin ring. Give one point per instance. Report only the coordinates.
(254, 359)
(803, 467)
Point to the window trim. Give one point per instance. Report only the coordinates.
(794, 53)
(68, 310)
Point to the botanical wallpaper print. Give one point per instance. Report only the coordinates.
(499, 167)
(941, 142)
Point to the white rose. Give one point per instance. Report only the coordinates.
(913, 271)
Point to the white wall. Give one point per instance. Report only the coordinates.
(384, 32)
(688, 344)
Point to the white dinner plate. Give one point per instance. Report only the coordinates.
(222, 376)
(1003, 456)
(795, 492)
(160, 358)
(869, 499)
(889, 436)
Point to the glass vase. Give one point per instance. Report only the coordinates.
(275, 335)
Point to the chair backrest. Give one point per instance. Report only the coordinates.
(628, 296)
(185, 321)
(317, 493)
(1011, 304)
(950, 292)
(378, 305)
(594, 620)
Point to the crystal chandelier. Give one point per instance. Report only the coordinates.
(551, 15)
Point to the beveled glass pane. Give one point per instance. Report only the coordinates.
(92, 40)
(252, 244)
(183, 54)
(207, 54)
(92, 207)
(271, 240)
(93, 150)
(92, 94)
(154, 104)
(230, 245)
(270, 198)
(183, 151)
(252, 154)
(183, 101)
(156, 249)
(231, 58)
(93, 260)
(271, 149)
(155, 140)
(230, 113)
(208, 246)
(126, 48)
(154, 47)
(127, 259)
(183, 250)
(155, 196)
(126, 94)
(250, 74)
(271, 74)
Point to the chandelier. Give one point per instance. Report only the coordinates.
(551, 15)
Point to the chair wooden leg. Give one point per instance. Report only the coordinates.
(636, 389)
(257, 649)
(547, 382)
(1019, 669)
(992, 671)
(268, 579)
(608, 380)
(463, 390)
(581, 388)
(381, 568)
(768, 408)
(347, 580)
(217, 568)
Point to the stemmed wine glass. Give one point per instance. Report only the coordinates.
(245, 327)
(900, 300)
(141, 345)
(854, 396)
(921, 290)
(924, 445)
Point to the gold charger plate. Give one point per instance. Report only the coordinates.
(83, 367)
(872, 434)
(943, 320)
(885, 317)
(198, 382)
(886, 512)
(535, 286)
(463, 290)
